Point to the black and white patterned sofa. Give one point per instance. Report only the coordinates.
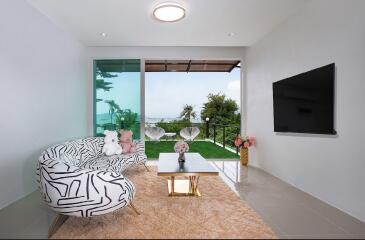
(76, 179)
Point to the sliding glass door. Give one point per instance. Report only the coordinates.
(117, 96)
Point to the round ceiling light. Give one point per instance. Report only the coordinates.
(169, 12)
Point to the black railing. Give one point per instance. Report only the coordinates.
(224, 134)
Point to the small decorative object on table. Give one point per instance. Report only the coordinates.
(181, 147)
(181, 166)
(244, 143)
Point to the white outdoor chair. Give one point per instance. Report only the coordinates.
(155, 133)
(189, 133)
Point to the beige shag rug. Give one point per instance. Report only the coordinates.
(219, 213)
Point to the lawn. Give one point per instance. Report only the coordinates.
(206, 149)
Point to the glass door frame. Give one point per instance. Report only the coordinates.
(142, 94)
(243, 90)
(142, 97)
(243, 87)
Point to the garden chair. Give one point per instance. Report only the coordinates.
(155, 133)
(189, 133)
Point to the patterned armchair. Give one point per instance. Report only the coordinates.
(76, 179)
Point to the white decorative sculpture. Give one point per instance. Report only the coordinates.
(111, 145)
(155, 133)
(189, 133)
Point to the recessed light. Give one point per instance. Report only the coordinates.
(169, 12)
(103, 34)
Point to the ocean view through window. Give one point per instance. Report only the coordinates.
(168, 92)
(117, 101)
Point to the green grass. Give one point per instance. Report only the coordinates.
(206, 149)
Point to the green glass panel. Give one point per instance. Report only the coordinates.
(117, 98)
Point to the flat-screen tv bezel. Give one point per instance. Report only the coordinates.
(332, 131)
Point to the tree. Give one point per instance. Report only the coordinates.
(102, 84)
(220, 109)
(126, 117)
(103, 74)
(187, 112)
(113, 108)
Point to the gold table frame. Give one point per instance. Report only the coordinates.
(184, 187)
(183, 178)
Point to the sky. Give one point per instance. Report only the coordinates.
(125, 92)
(167, 93)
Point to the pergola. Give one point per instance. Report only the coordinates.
(191, 65)
(187, 66)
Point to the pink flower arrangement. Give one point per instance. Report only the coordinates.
(245, 142)
(181, 147)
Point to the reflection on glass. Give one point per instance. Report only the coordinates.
(117, 100)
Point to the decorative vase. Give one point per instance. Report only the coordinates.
(181, 166)
(181, 157)
(244, 156)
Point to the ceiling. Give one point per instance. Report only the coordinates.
(130, 22)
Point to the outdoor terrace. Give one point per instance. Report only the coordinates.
(213, 142)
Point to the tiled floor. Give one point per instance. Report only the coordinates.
(27, 218)
(290, 212)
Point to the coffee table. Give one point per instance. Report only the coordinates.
(195, 166)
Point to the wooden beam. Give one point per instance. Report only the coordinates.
(208, 63)
(227, 65)
(233, 66)
(188, 68)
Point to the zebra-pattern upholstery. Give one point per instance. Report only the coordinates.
(76, 179)
(117, 163)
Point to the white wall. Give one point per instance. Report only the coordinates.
(166, 52)
(330, 168)
(43, 94)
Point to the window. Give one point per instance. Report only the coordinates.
(117, 96)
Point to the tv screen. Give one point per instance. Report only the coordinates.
(305, 103)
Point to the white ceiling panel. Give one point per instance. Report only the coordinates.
(130, 22)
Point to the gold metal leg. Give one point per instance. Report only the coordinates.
(190, 185)
(183, 187)
(172, 186)
(144, 164)
(194, 180)
(56, 224)
(133, 208)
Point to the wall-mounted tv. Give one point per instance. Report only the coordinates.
(305, 103)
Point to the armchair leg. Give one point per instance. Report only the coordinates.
(133, 208)
(144, 164)
(56, 224)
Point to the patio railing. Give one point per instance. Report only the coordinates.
(223, 134)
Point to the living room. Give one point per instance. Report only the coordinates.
(301, 179)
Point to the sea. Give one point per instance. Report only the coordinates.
(167, 119)
(105, 118)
